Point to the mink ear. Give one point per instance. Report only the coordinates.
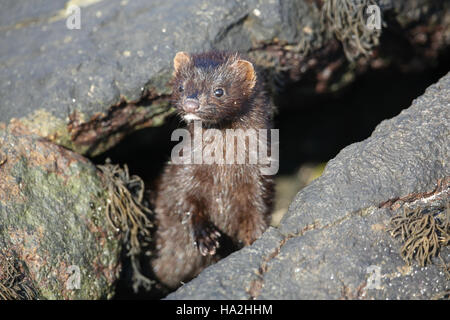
(181, 58)
(245, 68)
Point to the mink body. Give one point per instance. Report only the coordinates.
(205, 211)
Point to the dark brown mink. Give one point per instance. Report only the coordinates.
(205, 211)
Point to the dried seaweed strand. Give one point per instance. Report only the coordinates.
(126, 213)
(346, 19)
(423, 234)
(13, 285)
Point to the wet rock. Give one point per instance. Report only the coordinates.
(335, 237)
(87, 88)
(55, 240)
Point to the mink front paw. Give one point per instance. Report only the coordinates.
(207, 239)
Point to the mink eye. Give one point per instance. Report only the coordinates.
(218, 92)
(180, 89)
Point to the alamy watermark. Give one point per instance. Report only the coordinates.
(374, 280)
(374, 17)
(74, 280)
(73, 20)
(236, 146)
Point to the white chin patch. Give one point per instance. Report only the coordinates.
(191, 117)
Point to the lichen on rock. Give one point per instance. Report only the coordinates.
(52, 219)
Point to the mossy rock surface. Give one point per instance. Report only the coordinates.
(52, 220)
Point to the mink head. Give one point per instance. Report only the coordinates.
(212, 87)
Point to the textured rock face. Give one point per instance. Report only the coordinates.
(52, 221)
(86, 89)
(335, 228)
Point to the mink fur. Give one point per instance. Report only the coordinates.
(205, 211)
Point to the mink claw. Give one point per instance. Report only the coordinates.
(207, 240)
(205, 251)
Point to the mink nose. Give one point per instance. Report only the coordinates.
(191, 105)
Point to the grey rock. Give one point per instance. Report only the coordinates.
(335, 230)
(122, 46)
(59, 82)
(53, 220)
(122, 53)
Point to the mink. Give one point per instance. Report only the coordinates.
(205, 211)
